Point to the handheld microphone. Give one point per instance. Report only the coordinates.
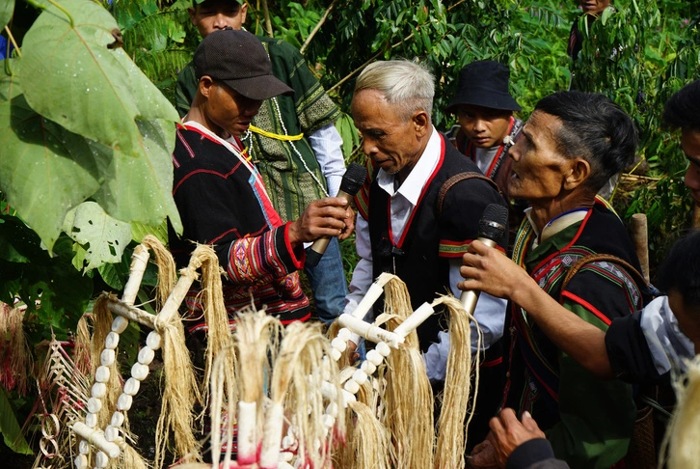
(492, 229)
(352, 180)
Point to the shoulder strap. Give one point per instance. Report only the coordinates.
(447, 185)
(634, 273)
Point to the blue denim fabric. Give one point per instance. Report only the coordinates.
(328, 283)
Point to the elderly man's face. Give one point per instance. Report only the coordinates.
(593, 7)
(539, 170)
(394, 143)
(690, 142)
(214, 15)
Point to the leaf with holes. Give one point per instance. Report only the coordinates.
(103, 237)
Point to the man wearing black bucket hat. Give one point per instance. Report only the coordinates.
(220, 194)
(487, 127)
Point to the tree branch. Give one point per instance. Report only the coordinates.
(266, 14)
(370, 60)
(317, 27)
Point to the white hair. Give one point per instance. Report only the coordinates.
(405, 84)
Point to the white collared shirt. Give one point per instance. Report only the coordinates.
(490, 311)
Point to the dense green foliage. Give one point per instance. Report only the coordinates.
(84, 162)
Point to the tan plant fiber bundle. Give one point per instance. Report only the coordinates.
(167, 271)
(452, 430)
(297, 376)
(82, 357)
(368, 441)
(15, 356)
(680, 446)
(256, 340)
(407, 415)
(180, 395)
(101, 326)
(180, 390)
(222, 408)
(218, 332)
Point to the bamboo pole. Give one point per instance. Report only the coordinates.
(641, 241)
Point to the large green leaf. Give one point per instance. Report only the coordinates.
(9, 427)
(103, 237)
(45, 170)
(6, 9)
(93, 88)
(140, 189)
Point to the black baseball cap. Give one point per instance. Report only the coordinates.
(239, 60)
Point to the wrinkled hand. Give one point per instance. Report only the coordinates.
(487, 269)
(507, 433)
(483, 456)
(329, 217)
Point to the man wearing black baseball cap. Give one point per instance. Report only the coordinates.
(220, 194)
(292, 140)
(487, 127)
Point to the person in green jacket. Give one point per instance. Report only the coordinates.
(569, 147)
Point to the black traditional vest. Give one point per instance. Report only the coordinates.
(416, 257)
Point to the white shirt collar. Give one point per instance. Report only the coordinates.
(556, 224)
(419, 175)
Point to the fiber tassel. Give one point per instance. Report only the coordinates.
(130, 458)
(408, 415)
(102, 325)
(297, 375)
(452, 430)
(167, 271)
(368, 441)
(216, 317)
(254, 332)
(680, 444)
(15, 356)
(180, 393)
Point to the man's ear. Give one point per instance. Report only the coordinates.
(192, 12)
(205, 85)
(421, 122)
(579, 172)
(244, 12)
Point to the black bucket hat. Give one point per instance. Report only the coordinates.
(484, 83)
(238, 59)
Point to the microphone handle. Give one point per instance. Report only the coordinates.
(316, 250)
(470, 297)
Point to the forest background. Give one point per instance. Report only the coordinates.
(88, 124)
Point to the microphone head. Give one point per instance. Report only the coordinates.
(353, 178)
(494, 223)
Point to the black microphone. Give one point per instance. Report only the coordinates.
(492, 230)
(352, 180)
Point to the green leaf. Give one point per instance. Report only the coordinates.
(93, 89)
(139, 231)
(140, 189)
(7, 7)
(9, 427)
(45, 170)
(103, 238)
